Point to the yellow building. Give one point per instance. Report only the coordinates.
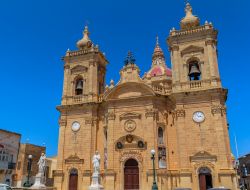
(180, 113)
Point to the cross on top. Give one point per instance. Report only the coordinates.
(129, 59)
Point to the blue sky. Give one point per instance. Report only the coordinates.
(35, 34)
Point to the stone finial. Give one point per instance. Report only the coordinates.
(189, 21)
(157, 51)
(85, 42)
(67, 52)
(112, 83)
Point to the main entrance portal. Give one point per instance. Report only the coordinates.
(73, 179)
(131, 175)
(205, 179)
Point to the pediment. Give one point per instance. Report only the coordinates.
(203, 156)
(130, 115)
(74, 159)
(129, 90)
(79, 68)
(192, 49)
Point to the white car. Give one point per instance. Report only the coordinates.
(5, 187)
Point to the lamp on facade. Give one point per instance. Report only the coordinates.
(27, 183)
(154, 186)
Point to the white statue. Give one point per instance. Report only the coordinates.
(96, 162)
(40, 178)
(95, 185)
(42, 163)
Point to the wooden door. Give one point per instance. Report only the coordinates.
(73, 179)
(202, 181)
(205, 181)
(131, 175)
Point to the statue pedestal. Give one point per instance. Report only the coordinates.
(39, 182)
(95, 185)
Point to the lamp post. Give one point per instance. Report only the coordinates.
(154, 186)
(27, 183)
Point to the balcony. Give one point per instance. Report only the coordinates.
(197, 85)
(79, 99)
(161, 90)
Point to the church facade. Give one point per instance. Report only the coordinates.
(180, 113)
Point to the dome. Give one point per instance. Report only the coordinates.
(160, 70)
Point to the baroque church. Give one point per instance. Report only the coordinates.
(179, 112)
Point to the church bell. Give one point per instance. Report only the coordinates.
(194, 72)
(79, 85)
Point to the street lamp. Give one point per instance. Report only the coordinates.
(27, 183)
(154, 186)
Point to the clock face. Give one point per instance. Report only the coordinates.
(75, 126)
(198, 117)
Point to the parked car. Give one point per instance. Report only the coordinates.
(5, 187)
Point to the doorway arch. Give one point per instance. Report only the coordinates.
(205, 178)
(131, 175)
(73, 179)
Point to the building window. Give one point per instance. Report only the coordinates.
(79, 87)
(194, 71)
(162, 157)
(160, 136)
(161, 149)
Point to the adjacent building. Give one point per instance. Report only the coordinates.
(9, 148)
(178, 112)
(244, 171)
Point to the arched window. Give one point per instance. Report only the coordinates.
(79, 87)
(160, 136)
(194, 72)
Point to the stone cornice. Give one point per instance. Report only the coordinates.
(73, 107)
(189, 35)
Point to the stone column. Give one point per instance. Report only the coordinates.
(59, 174)
(213, 63)
(175, 64)
(66, 83)
(110, 174)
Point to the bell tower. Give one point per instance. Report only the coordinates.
(201, 121)
(83, 86)
(84, 72)
(194, 54)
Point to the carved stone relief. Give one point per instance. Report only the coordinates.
(180, 113)
(131, 154)
(151, 113)
(218, 109)
(129, 126)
